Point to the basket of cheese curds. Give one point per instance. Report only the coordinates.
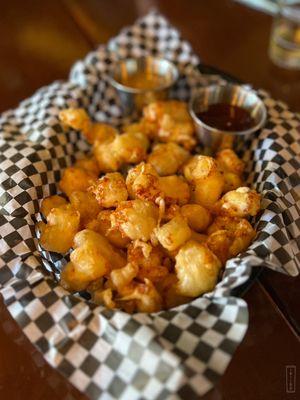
(156, 228)
(123, 242)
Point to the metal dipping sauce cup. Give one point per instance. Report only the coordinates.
(237, 95)
(133, 98)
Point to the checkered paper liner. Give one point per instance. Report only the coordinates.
(173, 354)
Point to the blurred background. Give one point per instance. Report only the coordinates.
(39, 41)
(249, 39)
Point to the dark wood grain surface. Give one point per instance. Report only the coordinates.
(39, 41)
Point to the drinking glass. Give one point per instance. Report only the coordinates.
(284, 48)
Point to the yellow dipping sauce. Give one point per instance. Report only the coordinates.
(143, 80)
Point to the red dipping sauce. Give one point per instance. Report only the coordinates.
(226, 117)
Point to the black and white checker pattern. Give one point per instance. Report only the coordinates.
(108, 354)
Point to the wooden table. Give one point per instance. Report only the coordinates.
(39, 41)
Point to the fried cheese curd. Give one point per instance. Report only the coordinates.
(152, 262)
(110, 149)
(167, 158)
(127, 148)
(52, 202)
(136, 219)
(93, 257)
(77, 118)
(197, 269)
(87, 206)
(148, 224)
(232, 167)
(143, 182)
(76, 179)
(174, 233)
(63, 223)
(173, 122)
(205, 178)
(242, 202)
(110, 190)
(88, 164)
(102, 224)
(229, 236)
